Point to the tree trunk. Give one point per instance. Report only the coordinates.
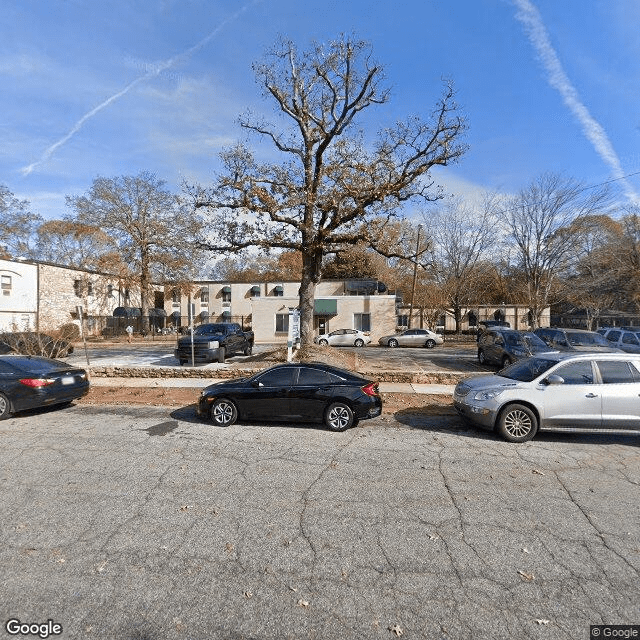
(311, 269)
(144, 292)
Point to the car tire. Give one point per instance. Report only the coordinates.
(339, 417)
(323, 342)
(5, 407)
(223, 413)
(221, 354)
(517, 423)
(247, 350)
(482, 359)
(392, 343)
(182, 363)
(430, 344)
(359, 343)
(506, 361)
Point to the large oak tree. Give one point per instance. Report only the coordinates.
(326, 181)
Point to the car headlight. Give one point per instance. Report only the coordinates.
(214, 344)
(487, 395)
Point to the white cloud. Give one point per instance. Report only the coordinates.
(530, 17)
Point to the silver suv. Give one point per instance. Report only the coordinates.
(571, 392)
(628, 341)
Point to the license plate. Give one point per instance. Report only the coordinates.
(68, 380)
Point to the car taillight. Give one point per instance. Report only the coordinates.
(36, 382)
(371, 389)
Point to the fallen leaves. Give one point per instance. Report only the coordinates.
(526, 577)
(397, 629)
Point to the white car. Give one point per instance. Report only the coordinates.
(344, 338)
(412, 338)
(568, 391)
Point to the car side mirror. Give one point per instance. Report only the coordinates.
(554, 379)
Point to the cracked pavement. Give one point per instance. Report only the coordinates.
(143, 523)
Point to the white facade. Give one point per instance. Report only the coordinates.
(18, 295)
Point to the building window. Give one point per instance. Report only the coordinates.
(110, 290)
(6, 285)
(403, 320)
(226, 296)
(175, 297)
(77, 288)
(362, 321)
(127, 296)
(204, 296)
(89, 288)
(282, 323)
(278, 291)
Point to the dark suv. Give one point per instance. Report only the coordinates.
(574, 340)
(503, 346)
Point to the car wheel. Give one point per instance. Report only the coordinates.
(506, 361)
(339, 417)
(481, 357)
(430, 344)
(247, 350)
(223, 413)
(221, 354)
(323, 342)
(393, 343)
(182, 362)
(517, 423)
(359, 343)
(5, 407)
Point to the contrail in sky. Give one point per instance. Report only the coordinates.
(155, 71)
(530, 17)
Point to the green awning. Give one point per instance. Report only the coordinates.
(226, 314)
(255, 289)
(279, 288)
(226, 289)
(325, 307)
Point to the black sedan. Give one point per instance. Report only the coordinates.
(27, 382)
(293, 392)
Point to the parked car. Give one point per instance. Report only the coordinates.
(569, 392)
(32, 343)
(412, 338)
(483, 325)
(574, 340)
(27, 382)
(628, 341)
(504, 346)
(293, 392)
(344, 338)
(214, 342)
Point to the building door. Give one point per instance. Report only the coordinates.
(321, 326)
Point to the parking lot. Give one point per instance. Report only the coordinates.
(451, 357)
(147, 523)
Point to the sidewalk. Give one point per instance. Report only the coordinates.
(199, 383)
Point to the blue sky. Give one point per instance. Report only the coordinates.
(113, 88)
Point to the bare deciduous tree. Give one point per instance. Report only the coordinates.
(329, 181)
(539, 222)
(461, 236)
(18, 226)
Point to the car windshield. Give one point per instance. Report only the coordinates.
(527, 340)
(526, 370)
(206, 329)
(586, 339)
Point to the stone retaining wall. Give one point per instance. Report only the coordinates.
(420, 377)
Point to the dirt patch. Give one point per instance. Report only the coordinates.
(183, 396)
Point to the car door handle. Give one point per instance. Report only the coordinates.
(591, 395)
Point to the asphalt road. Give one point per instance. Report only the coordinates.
(146, 523)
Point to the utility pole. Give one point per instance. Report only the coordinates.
(415, 276)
